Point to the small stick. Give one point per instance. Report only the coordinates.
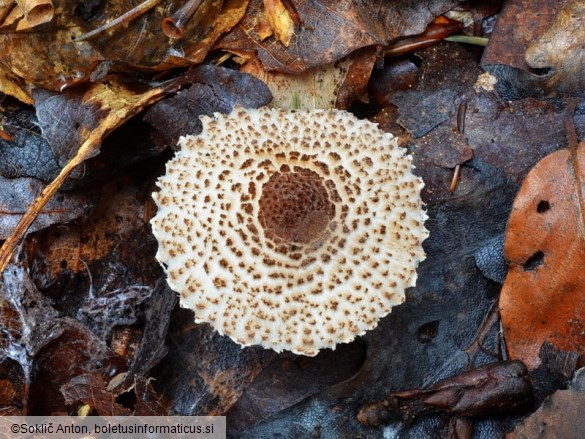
(574, 150)
(174, 26)
(455, 178)
(461, 111)
(42, 212)
(121, 20)
(4, 135)
(469, 39)
(570, 124)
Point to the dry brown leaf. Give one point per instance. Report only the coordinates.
(53, 60)
(231, 14)
(35, 12)
(328, 30)
(542, 297)
(12, 85)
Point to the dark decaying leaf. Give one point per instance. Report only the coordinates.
(495, 388)
(119, 296)
(90, 389)
(201, 365)
(65, 119)
(357, 78)
(148, 403)
(329, 30)
(560, 416)
(215, 89)
(397, 74)
(490, 260)
(26, 153)
(556, 370)
(117, 103)
(12, 388)
(48, 349)
(444, 83)
(288, 380)
(17, 193)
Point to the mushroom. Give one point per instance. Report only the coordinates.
(291, 230)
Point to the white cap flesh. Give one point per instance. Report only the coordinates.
(291, 230)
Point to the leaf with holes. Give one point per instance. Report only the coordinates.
(542, 297)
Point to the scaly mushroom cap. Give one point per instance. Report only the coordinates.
(291, 230)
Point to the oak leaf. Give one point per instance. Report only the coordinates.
(542, 297)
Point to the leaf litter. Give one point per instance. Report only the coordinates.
(114, 318)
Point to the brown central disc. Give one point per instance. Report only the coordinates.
(295, 206)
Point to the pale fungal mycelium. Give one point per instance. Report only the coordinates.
(291, 230)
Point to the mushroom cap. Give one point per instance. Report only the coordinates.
(291, 230)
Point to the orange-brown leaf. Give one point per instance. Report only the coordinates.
(542, 298)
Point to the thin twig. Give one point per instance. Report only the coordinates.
(468, 39)
(121, 20)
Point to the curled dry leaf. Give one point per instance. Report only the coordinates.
(501, 387)
(30, 13)
(13, 85)
(542, 297)
(562, 50)
(544, 35)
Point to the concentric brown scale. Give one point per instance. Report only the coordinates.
(292, 230)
